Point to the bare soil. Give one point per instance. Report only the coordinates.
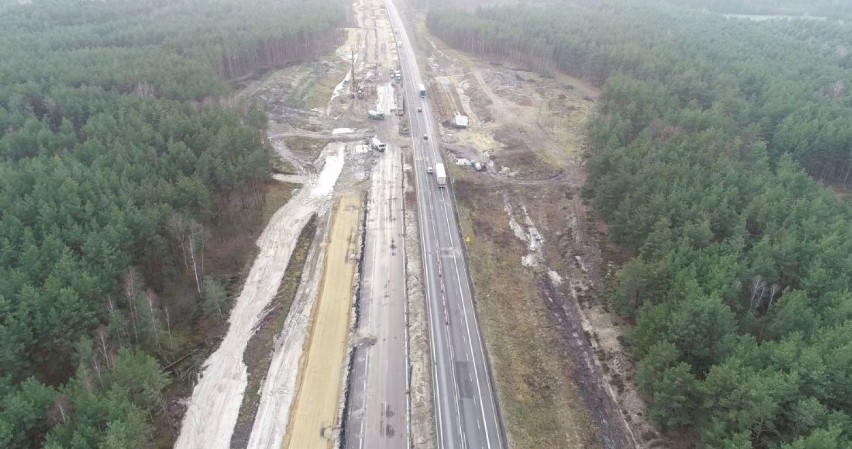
(530, 363)
(258, 353)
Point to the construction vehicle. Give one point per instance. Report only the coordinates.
(353, 81)
(440, 174)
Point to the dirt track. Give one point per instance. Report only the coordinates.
(315, 413)
(214, 406)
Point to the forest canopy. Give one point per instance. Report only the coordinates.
(787, 81)
(115, 168)
(703, 154)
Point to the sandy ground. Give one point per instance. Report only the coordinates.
(279, 388)
(214, 406)
(315, 414)
(386, 98)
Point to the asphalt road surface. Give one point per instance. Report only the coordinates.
(466, 415)
(378, 407)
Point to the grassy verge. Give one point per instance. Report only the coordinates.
(307, 147)
(313, 88)
(283, 167)
(539, 402)
(260, 348)
(327, 78)
(277, 196)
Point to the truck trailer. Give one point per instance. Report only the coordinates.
(440, 174)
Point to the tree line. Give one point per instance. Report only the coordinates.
(739, 280)
(112, 180)
(823, 8)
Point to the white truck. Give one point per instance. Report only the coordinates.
(377, 144)
(440, 174)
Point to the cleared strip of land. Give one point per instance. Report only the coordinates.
(315, 413)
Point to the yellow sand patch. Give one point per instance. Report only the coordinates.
(314, 413)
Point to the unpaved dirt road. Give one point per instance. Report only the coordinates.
(379, 382)
(377, 407)
(315, 413)
(215, 403)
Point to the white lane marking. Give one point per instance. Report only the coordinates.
(448, 330)
(418, 181)
(364, 416)
(466, 287)
(435, 384)
(467, 324)
(419, 184)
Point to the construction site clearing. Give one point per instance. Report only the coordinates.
(521, 136)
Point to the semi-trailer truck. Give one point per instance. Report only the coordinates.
(440, 174)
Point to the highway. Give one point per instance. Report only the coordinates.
(466, 415)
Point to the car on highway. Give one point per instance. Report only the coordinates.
(429, 170)
(419, 109)
(425, 136)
